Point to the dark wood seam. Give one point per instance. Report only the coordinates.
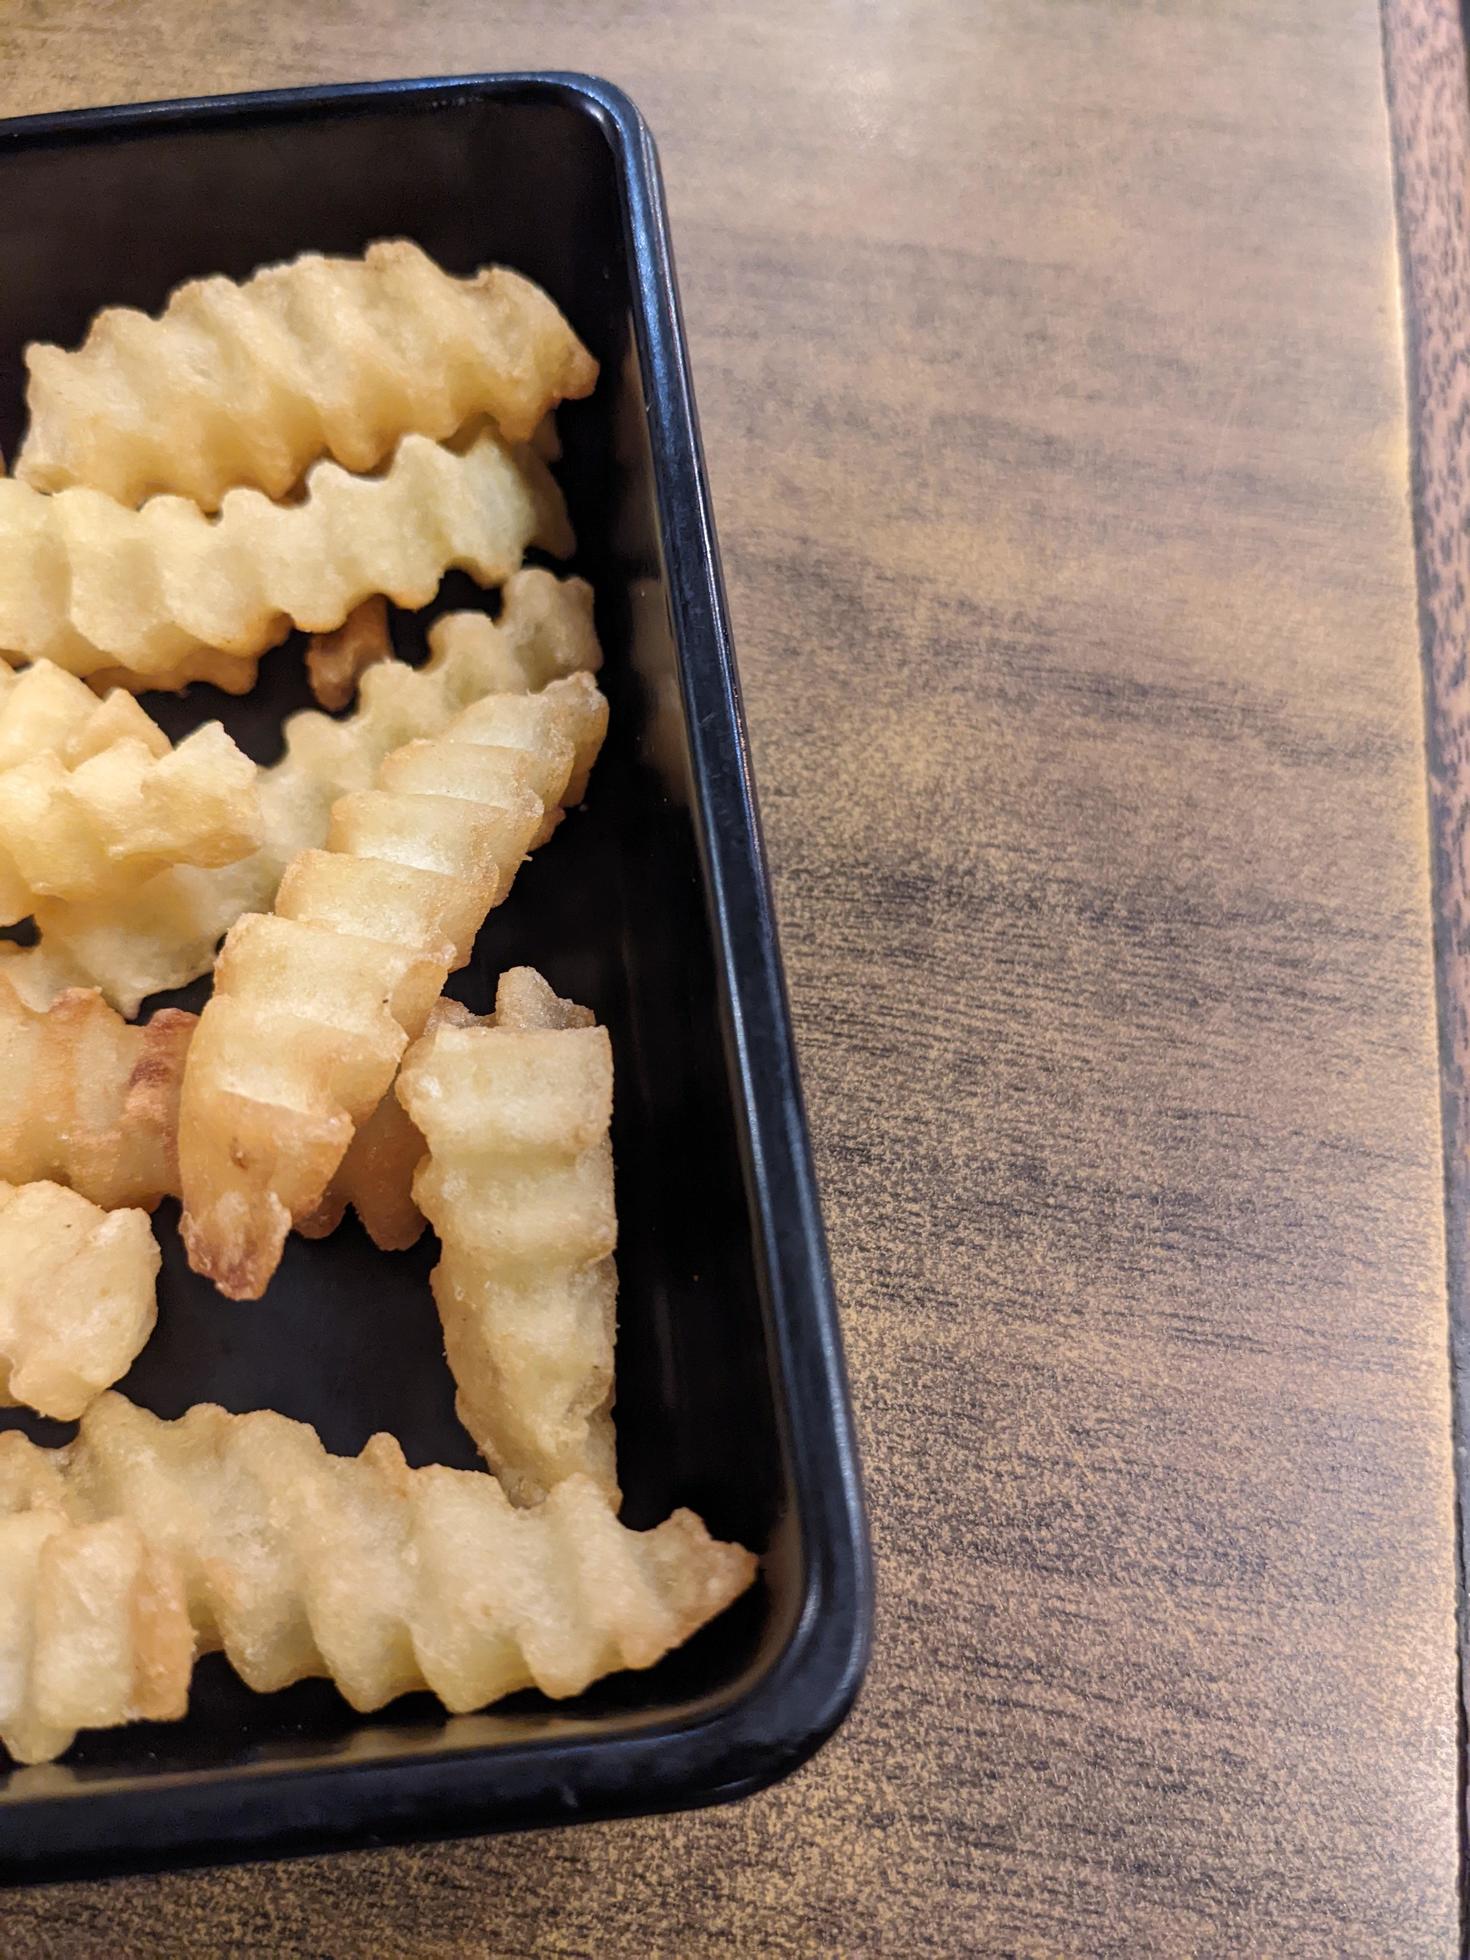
(1428, 146)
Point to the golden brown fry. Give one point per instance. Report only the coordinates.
(76, 1297)
(381, 1578)
(314, 1005)
(92, 585)
(91, 1100)
(518, 1183)
(376, 1175)
(94, 1632)
(336, 661)
(249, 383)
(166, 932)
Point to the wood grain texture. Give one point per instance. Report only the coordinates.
(1429, 92)
(1051, 374)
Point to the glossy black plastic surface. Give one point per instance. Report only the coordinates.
(651, 905)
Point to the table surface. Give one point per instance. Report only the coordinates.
(1052, 378)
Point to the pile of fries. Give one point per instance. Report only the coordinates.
(297, 451)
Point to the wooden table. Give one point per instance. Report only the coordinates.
(1053, 386)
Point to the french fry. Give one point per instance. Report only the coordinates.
(249, 383)
(76, 1297)
(518, 1183)
(544, 633)
(39, 974)
(376, 1175)
(94, 586)
(46, 711)
(94, 1632)
(165, 933)
(90, 1100)
(314, 1005)
(381, 1578)
(160, 935)
(336, 661)
(232, 673)
(94, 798)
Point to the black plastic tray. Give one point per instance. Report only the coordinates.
(651, 906)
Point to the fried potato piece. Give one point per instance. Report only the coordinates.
(166, 932)
(94, 797)
(39, 974)
(90, 1100)
(92, 585)
(232, 673)
(94, 1632)
(314, 1005)
(376, 1175)
(46, 711)
(518, 1183)
(76, 1297)
(336, 661)
(381, 1578)
(249, 383)
(544, 633)
(161, 934)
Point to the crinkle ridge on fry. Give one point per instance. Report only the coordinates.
(314, 1004)
(90, 1100)
(94, 798)
(518, 1184)
(95, 586)
(250, 382)
(166, 932)
(76, 1297)
(381, 1578)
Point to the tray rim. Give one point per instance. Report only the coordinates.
(762, 1732)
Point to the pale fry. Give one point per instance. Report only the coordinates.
(46, 711)
(166, 932)
(376, 1175)
(40, 974)
(518, 1183)
(92, 585)
(232, 673)
(94, 1632)
(98, 830)
(314, 1005)
(93, 798)
(336, 661)
(76, 1297)
(249, 383)
(381, 1578)
(90, 1100)
(160, 935)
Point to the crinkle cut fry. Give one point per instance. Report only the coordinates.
(166, 933)
(376, 1175)
(76, 1297)
(381, 1578)
(94, 1632)
(518, 1184)
(314, 1005)
(94, 586)
(89, 811)
(248, 383)
(335, 662)
(91, 1100)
